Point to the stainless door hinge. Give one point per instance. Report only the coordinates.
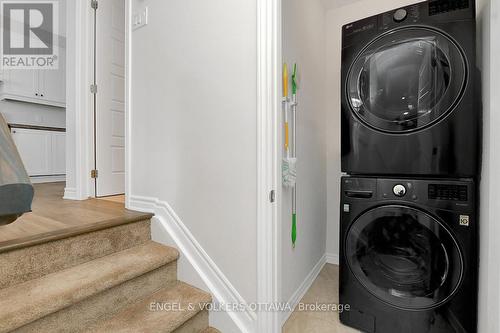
(272, 196)
(93, 88)
(94, 4)
(94, 173)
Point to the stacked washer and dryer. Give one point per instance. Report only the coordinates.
(410, 149)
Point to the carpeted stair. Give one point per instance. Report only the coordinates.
(113, 279)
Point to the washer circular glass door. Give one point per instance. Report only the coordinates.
(406, 80)
(404, 256)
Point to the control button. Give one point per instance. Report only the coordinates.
(400, 15)
(399, 190)
(347, 208)
(464, 220)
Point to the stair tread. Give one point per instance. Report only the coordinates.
(211, 330)
(32, 300)
(16, 243)
(140, 317)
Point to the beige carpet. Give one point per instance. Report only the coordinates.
(323, 290)
(102, 279)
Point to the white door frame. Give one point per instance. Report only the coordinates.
(268, 167)
(79, 100)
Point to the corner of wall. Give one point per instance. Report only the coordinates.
(70, 193)
(332, 258)
(303, 288)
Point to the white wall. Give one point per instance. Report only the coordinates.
(193, 124)
(489, 63)
(33, 114)
(304, 43)
(336, 18)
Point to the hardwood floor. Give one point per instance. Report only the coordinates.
(55, 218)
(115, 198)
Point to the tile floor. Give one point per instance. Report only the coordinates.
(323, 290)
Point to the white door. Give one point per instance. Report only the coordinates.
(110, 97)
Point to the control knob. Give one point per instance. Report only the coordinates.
(399, 190)
(400, 15)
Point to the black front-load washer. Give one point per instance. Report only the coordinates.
(408, 255)
(409, 103)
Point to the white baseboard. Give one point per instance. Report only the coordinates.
(218, 284)
(303, 288)
(332, 258)
(47, 179)
(70, 193)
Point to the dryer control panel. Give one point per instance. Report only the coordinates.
(427, 12)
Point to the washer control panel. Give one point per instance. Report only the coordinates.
(398, 190)
(452, 195)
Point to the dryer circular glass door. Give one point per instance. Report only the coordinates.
(404, 256)
(406, 80)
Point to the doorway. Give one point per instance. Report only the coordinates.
(108, 89)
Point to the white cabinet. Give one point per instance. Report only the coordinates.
(43, 152)
(58, 153)
(41, 86)
(53, 86)
(46, 86)
(18, 82)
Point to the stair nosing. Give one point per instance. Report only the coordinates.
(108, 277)
(52, 236)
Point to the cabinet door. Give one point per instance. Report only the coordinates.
(53, 82)
(20, 83)
(58, 153)
(53, 87)
(35, 150)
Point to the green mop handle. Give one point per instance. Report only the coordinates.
(294, 80)
(294, 137)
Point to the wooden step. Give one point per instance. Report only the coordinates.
(179, 309)
(27, 263)
(24, 304)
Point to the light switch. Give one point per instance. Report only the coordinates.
(140, 19)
